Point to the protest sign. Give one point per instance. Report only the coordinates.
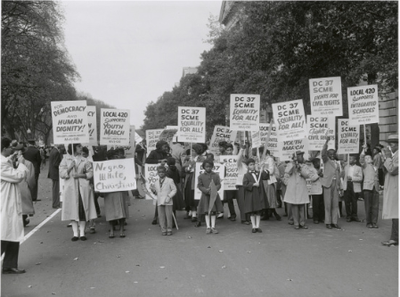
(255, 139)
(231, 171)
(286, 148)
(318, 129)
(245, 112)
(92, 125)
(326, 96)
(114, 175)
(363, 105)
(70, 122)
(115, 125)
(290, 119)
(218, 168)
(152, 137)
(314, 188)
(349, 137)
(151, 177)
(169, 134)
(130, 149)
(272, 144)
(192, 124)
(221, 133)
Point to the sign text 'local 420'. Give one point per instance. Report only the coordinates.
(115, 126)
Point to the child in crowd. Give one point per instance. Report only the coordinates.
(204, 182)
(173, 173)
(253, 195)
(165, 189)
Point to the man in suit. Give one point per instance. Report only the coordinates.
(352, 178)
(331, 186)
(55, 158)
(32, 154)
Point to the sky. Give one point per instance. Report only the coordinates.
(128, 53)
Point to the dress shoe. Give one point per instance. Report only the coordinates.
(348, 220)
(164, 233)
(214, 231)
(375, 226)
(336, 226)
(259, 230)
(13, 271)
(328, 226)
(83, 238)
(75, 238)
(304, 226)
(254, 230)
(208, 231)
(169, 233)
(369, 225)
(296, 227)
(154, 222)
(389, 243)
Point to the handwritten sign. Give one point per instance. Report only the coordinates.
(363, 105)
(115, 125)
(326, 96)
(192, 124)
(318, 129)
(288, 147)
(231, 171)
(290, 119)
(114, 175)
(152, 137)
(272, 145)
(255, 139)
(92, 125)
(349, 137)
(70, 122)
(169, 134)
(151, 176)
(245, 112)
(221, 133)
(218, 168)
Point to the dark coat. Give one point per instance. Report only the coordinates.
(156, 156)
(32, 154)
(54, 163)
(254, 199)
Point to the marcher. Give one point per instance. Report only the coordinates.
(206, 206)
(165, 189)
(55, 158)
(331, 186)
(173, 173)
(229, 195)
(390, 208)
(352, 180)
(12, 229)
(32, 154)
(269, 182)
(242, 170)
(296, 194)
(78, 200)
(317, 196)
(253, 195)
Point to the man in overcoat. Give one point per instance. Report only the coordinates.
(32, 154)
(55, 158)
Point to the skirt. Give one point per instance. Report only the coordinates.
(190, 202)
(270, 194)
(115, 206)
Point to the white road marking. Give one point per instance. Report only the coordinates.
(40, 225)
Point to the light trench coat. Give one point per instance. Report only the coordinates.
(296, 190)
(26, 187)
(72, 188)
(390, 209)
(12, 228)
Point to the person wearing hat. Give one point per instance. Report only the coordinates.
(331, 186)
(390, 208)
(12, 229)
(296, 194)
(32, 154)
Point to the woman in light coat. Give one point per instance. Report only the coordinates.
(12, 229)
(78, 199)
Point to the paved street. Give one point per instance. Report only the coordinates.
(279, 262)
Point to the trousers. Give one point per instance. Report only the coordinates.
(10, 249)
(165, 217)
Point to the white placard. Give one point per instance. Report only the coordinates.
(288, 147)
(326, 96)
(245, 112)
(130, 149)
(92, 125)
(192, 124)
(115, 126)
(114, 175)
(152, 137)
(363, 105)
(255, 139)
(218, 168)
(349, 137)
(221, 133)
(272, 145)
(231, 171)
(70, 122)
(318, 129)
(151, 176)
(290, 120)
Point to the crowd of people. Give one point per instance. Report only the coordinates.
(263, 184)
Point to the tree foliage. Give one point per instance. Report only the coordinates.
(35, 66)
(276, 47)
